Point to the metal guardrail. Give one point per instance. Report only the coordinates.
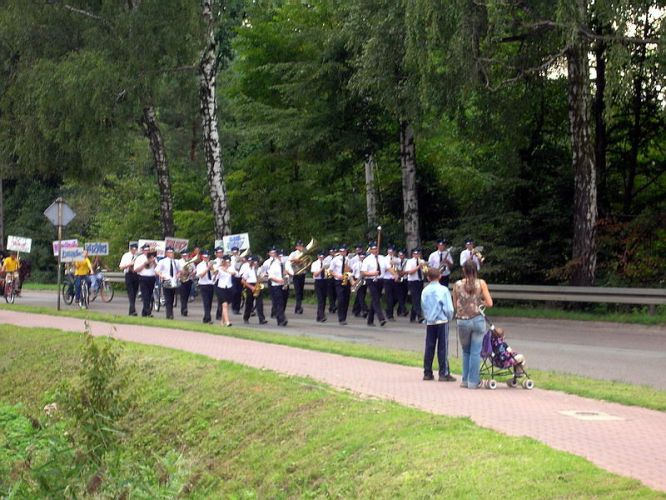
(644, 296)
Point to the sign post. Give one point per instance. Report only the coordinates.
(60, 214)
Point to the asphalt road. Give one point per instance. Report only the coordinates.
(609, 351)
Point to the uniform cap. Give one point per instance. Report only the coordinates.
(134, 245)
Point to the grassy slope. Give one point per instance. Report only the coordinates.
(617, 392)
(246, 433)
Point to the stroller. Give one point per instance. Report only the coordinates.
(495, 364)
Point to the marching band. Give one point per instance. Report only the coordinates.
(336, 275)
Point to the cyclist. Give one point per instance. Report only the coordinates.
(97, 277)
(11, 266)
(82, 271)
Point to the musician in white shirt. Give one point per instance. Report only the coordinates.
(289, 276)
(237, 288)
(168, 272)
(330, 287)
(401, 283)
(275, 269)
(206, 273)
(360, 308)
(217, 262)
(131, 278)
(389, 283)
(224, 288)
(299, 279)
(372, 269)
(468, 253)
(339, 267)
(414, 274)
(321, 283)
(442, 260)
(187, 276)
(144, 266)
(249, 275)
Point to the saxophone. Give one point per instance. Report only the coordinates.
(259, 286)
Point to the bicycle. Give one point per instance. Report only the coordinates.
(103, 288)
(10, 288)
(84, 301)
(157, 301)
(68, 288)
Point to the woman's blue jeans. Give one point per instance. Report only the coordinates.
(471, 332)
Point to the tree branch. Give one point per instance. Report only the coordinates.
(583, 30)
(85, 13)
(524, 72)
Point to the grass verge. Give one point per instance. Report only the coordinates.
(203, 428)
(614, 391)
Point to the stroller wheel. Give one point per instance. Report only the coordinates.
(512, 382)
(492, 385)
(528, 384)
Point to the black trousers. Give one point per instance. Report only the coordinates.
(146, 285)
(184, 291)
(360, 307)
(375, 288)
(332, 296)
(277, 297)
(400, 290)
(132, 286)
(250, 301)
(237, 288)
(342, 294)
(299, 286)
(436, 336)
(207, 292)
(169, 295)
(389, 293)
(285, 297)
(415, 289)
(321, 287)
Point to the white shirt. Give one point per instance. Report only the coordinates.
(139, 268)
(273, 267)
(465, 255)
(248, 273)
(236, 262)
(224, 276)
(167, 268)
(373, 263)
(181, 265)
(356, 268)
(412, 264)
(445, 257)
(126, 260)
(389, 261)
(317, 265)
(337, 267)
(400, 266)
(202, 272)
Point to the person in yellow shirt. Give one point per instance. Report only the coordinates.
(11, 266)
(82, 271)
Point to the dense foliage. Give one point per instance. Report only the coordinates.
(307, 91)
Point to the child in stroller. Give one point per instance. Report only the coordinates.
(500, 360)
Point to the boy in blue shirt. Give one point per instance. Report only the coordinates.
(437, 309)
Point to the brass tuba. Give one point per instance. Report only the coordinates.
(306, 258)
(188, 269)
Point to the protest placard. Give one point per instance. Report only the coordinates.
(97, 248)
(65, 244)
(72, 254)
(179, 244)
(158, 245)
(19, 244)
(242, 241)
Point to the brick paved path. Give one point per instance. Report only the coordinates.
(633, 445)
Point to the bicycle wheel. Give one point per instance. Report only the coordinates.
(106, 291)
(9, 292)
(68, 293)
(157, 299)
(85, 294)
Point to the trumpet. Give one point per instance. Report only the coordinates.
(424, 267)
(476, 252)
(346, 278)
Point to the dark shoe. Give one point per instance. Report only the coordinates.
(371, 324)
(263, 322)
(391, 318)
(169, 317)
(132, 314)
(184, 314)
(428, 377)
(343, 323)
(447, 378)
(207, 322)
(382, 322)
(247, 322)
(284, 323)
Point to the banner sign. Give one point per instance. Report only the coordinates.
(158, 245)
(242, 241)
(179, 244)
(19, 244)
(65, 244)
(72, 254)
(97, 248)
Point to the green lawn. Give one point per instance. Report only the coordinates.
(615, 391)
(203, 428)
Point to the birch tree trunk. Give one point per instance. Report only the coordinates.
(410, 199)
(600, 136)
(211, 139)
(152, 132)
(585, 189)
(2, 214)
(370, 191)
